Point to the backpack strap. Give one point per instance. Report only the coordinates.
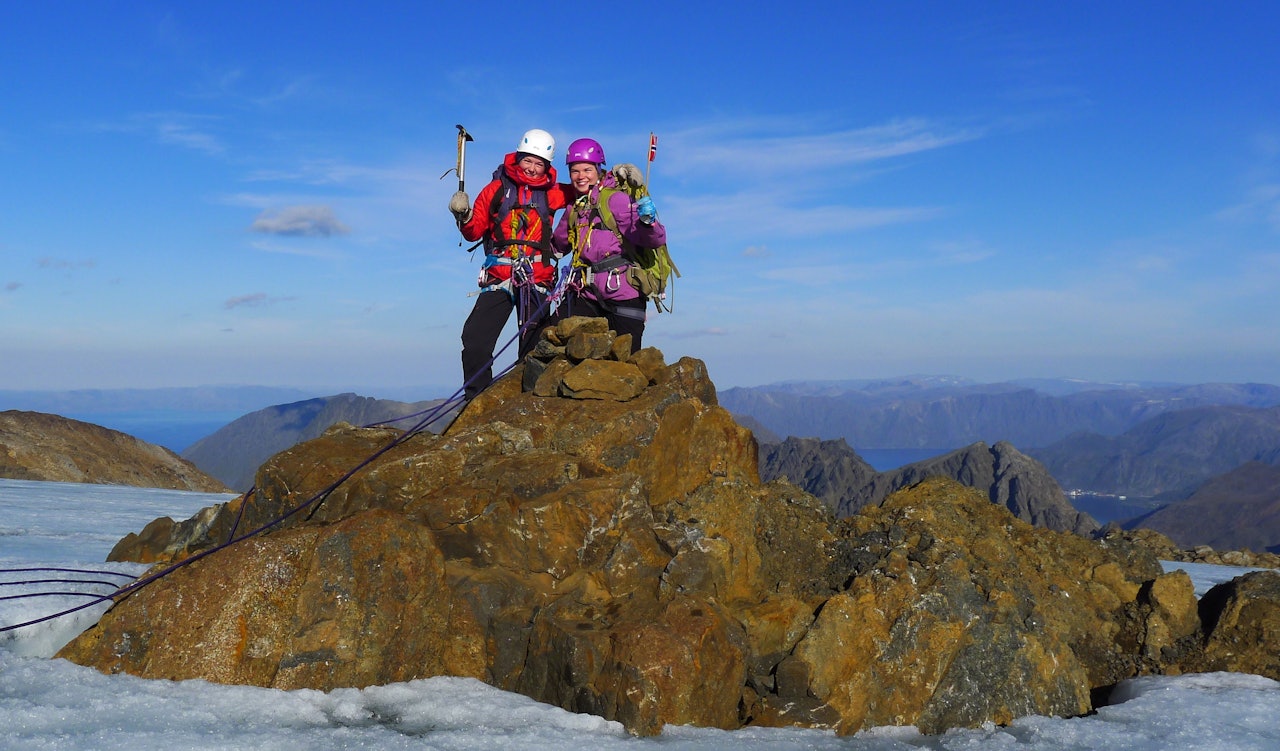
(609, 220)
(598, 207)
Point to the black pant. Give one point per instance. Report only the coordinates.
(624, 316)
(483, 327)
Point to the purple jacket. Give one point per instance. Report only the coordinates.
(601, 243)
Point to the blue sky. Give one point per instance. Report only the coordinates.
(250, 193)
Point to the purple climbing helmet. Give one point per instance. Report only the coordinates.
(585, 150)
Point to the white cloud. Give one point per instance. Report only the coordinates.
(300, 221)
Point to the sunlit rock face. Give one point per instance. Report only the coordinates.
(1242, 618)
(615, 553)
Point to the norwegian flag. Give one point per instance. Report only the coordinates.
(653, 146)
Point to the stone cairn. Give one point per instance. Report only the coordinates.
(580, 358)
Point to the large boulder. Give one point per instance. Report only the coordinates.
(358, 602)
(621, 557)
(996, 618)
(1242, 618)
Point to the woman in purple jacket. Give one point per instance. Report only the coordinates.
(600, 286)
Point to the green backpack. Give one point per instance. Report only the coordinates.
(650, 269)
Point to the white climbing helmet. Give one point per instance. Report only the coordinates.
(537, 142)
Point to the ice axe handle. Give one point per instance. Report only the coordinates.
(463, 137)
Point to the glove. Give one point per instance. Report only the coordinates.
(647, 211)
(460, 207)
(629, 174)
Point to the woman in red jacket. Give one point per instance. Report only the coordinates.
(512, 216)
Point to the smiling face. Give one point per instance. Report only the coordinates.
(583, 175)
(533, 167)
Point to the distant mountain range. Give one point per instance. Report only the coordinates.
(1167, 456)
(239, 399)
(834, 472)
(934, 412)
(1186, 450)
(1236, 510)
(233, 453)
(1135, 440)
(177, 417)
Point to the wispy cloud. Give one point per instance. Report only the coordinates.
(187, 130)
(185, 135)
(254, 300)
(298, 88)
(300, 221)
(308, 251)
(814, 275)
(960, 252)
(12, 286)
(765, 152)
(792, 177)
(233, 84)
(63, 264)
(766, 213)
(819, 272)
(336, 172)
(699, 333)
(1261, 204)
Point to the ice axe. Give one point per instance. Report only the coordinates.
(463, 137)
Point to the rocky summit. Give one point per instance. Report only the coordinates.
(591, 532)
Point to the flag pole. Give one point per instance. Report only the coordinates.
(653, 151)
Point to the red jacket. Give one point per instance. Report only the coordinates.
(521, 232)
